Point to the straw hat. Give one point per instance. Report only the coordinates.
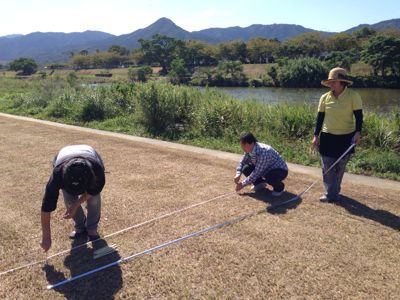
(336, 74)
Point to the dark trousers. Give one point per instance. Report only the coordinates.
(273, 177)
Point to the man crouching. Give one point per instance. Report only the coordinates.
(78, 171)
(262, 165)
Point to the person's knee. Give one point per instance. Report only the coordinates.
(247, 169)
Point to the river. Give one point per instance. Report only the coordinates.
(374, 100)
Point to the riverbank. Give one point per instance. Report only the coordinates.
(207, 119)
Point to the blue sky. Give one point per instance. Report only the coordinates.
(124, 16)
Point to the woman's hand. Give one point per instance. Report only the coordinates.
(356, 138)
(315, 142)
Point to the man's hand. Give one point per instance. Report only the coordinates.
(237, 178)
(238, 187)
(46, 243)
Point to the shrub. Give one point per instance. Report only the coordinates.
(304, 72)
(140, 74)
(166, 110)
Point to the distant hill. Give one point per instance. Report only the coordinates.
(11, 36)
(394, 23)
(281, 32)
(162, 26)
(56, 47)
(37, 44)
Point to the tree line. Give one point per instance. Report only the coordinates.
(190, 61)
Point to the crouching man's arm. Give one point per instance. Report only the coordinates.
(46, 231)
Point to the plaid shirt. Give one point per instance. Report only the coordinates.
(264, 158)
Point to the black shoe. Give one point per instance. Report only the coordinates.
(93, 237)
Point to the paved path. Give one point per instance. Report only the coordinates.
(311, 171)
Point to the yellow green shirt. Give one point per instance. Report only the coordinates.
(339, 118)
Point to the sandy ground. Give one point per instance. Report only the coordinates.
(312, 250)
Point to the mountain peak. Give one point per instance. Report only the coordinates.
(163, 22)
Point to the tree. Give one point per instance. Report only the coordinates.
(108, 60)
(363, 35)
(341, 42)
(343, 59)
(310, 44)
(261, 50)
(178, 73)
(199, 54)
(161, 49)
(210, 55)
(139, 74)
(81, 61)
(84, 52)
(26, 65)
(382, 53)
(119, 50)
(364, 32)
(231, 73)
(304, 72)
(232, 51)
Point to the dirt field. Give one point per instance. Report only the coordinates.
(312, 251)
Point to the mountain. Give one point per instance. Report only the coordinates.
(279, 31)
(165, 26)
(11, 36)
(56, 47)
(389, 24)
(162, 26)
(37, 44)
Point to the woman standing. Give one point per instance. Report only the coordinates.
(338, 126)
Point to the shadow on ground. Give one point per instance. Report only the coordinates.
(276, 205)
(383, 217)
(101, 285)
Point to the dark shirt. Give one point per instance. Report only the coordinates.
(55, 183)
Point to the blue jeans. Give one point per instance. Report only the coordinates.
(93, 206)
(333, 179)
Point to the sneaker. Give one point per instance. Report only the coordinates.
(277, 194)
(74, 235)
(258, 187)
(325, 199)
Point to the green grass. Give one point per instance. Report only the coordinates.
(204, 118)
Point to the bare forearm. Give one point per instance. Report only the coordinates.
(45, 219)
(46, 233)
